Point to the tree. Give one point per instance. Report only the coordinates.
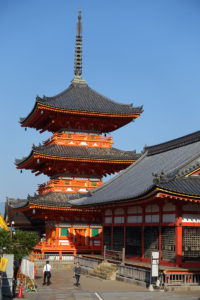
(22, 242)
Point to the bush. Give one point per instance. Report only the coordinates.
(22, 242)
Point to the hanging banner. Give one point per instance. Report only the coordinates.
(155, 264)
(27, 268)
(3, 263)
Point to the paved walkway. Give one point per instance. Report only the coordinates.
(90, 288)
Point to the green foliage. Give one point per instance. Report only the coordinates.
(4, 239)
(22, 242)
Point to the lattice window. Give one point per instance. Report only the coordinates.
(195, 207)
(169, 207)
(119, 219)
(152, 208)
(191, 243)
(107, 236)
(108, 212)
(151, 236)
(118, 238)
(168, 243)
(134, 210)
(134, 241)
(119, 211)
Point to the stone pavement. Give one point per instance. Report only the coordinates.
(90, 288)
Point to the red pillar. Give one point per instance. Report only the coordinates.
(125, 221)
(111, 242)
(178, 233)
(143, 222)
(160, 232)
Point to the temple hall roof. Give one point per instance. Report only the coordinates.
(164, 165)
(187, 185)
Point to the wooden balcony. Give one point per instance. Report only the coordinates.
(78, 139)
(69, 186)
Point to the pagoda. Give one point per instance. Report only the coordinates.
(76, 157)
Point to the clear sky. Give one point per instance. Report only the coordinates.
(145, 52)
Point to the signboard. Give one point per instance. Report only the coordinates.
(3, 263)
(7, 282)
(155, 264)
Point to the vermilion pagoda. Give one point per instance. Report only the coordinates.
(75, 158)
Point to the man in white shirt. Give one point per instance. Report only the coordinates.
(47, 273)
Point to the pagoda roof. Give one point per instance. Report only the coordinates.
(50, 199)
(164, 167)
(76, 154)
(79, 99)
(63, 151)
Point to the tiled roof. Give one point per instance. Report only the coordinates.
(188, 185)
(80, 97)
(83, 152)
(138, 179)
(176, 143)
(19, 217)
(49, 199)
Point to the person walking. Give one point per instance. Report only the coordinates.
(77, 271)
(47, 273)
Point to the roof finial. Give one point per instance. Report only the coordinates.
(78, 53)
(78, 50)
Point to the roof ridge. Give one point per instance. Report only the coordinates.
(175, 143)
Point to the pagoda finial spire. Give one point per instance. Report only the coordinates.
(78, 53)
(78, 50)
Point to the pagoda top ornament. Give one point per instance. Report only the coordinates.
(78, 53)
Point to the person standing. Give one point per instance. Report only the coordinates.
(47, 273)
(77, 272)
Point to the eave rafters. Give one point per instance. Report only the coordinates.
(48, 164)
(46, 118)
(69, 209)
(76, 112)
(177, 196)
(194, 172)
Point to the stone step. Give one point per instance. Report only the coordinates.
(105, 271)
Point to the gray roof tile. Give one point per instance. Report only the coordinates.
(188, 185)
(80, 97)
(83, 152)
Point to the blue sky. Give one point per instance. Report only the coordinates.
(145, 52)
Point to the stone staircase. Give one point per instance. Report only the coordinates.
(105, 270)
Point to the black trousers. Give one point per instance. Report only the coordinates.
(77, 276)
(47, 275)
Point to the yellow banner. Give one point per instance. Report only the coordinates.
(3, 263)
